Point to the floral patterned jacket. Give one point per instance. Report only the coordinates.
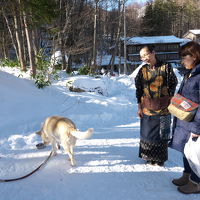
(155, 83)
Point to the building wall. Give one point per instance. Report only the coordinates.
(164, 51)
(191, 36)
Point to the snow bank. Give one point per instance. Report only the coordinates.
(108, 167)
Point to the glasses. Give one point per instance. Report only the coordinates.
(142, 57)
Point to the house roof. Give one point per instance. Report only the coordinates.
(105, 60)
(154, 40)
(195, 32)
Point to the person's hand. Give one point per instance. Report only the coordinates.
(140, 113)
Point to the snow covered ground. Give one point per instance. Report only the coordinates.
(108, 167)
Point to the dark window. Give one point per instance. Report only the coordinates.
(134, 58)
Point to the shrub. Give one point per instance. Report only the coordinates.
(9, 63)
(84, 70)
(40, 81)
(44, 71)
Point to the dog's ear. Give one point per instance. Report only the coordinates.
(38, 132)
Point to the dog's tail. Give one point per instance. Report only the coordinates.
(83, 134)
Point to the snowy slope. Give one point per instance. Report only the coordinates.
(108, 167)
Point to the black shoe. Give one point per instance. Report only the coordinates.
(155, 163)
(151, 162)
(159, 163)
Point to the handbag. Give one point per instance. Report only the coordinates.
(182, 108)
(192, 153)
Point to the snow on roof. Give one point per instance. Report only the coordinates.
(196, 31)
(154, 40)
(105, 60)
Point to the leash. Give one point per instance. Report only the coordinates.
(25, 176)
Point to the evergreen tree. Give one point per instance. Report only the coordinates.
(166, 17)
(147, 20)
(158, 18)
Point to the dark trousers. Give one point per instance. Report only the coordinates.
(188, 169)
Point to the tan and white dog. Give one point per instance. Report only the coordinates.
(60, 130)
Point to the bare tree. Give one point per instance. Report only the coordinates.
(94, 38)
(29, 38)
(125, 57)
(119, 30)
(10, 31)
(18, 33)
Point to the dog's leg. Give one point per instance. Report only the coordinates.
(72, 157)
(54, 147)
(70, 152)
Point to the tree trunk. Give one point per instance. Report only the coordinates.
(125, 57)
(18, 34)
(4, 49)
(11, 34)
(117, 38)
(36, 44)
(29, 39)
(94, 54)
(61, 34)
(62, 50)
(69, 63)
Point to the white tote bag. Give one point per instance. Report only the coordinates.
(192, 153)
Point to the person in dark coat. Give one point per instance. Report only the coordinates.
(155, 85)
(189, 182)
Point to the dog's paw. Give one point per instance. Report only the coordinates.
(54, 153)
(40, 146)
(73, 163)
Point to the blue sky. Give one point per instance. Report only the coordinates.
(140, 1)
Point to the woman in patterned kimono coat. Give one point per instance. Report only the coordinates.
(155, 85)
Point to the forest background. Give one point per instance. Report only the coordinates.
(32, 30)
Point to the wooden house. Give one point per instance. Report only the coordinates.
(166, 47)
(104, 62)
(193, 35)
